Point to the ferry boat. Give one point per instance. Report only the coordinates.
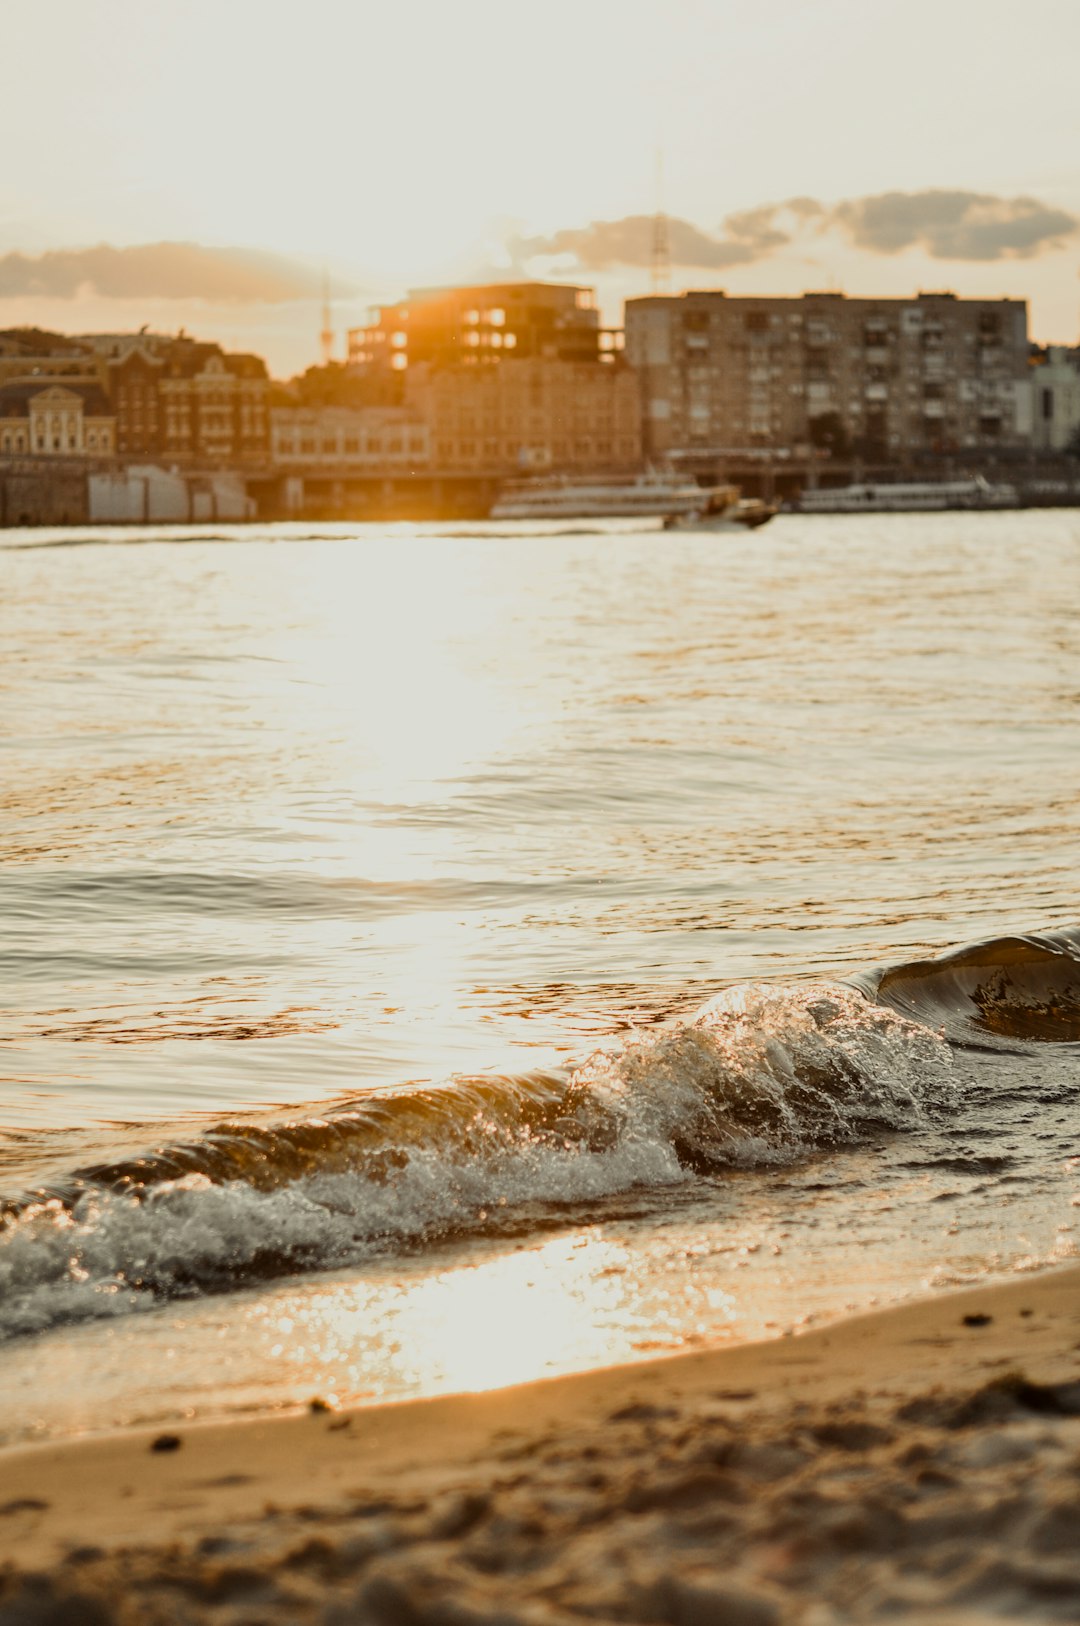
(910, 497)
(654, 493)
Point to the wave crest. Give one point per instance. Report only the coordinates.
(761, 1076)
(1004, 993)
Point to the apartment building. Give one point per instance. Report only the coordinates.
(189, 401)
(214, 407)
(880, 378)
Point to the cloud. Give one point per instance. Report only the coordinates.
(947, 225)
(607, 243)
(954, 225)
(158, 271)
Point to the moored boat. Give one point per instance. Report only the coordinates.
(908, 497)
(654, 493)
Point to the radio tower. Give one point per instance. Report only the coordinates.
(661, 242)
(326, 337)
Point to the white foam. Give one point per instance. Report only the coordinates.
(761, 1076)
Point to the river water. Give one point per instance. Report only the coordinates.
(441, 956)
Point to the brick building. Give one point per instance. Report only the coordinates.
(531, 415)
(133, 383)
(191, 402)
(214, 407)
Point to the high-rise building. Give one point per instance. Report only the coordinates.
(878, 378)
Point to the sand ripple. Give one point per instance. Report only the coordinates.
(951, 1508)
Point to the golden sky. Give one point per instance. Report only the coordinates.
(426, 142)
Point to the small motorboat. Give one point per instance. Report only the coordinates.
(723, 510)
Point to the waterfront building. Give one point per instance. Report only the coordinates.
(134, 382)
(41, 418)
(880, 379)
(497, 322)
(509, 377)
(213, 406)
(1055, 400)
(538, 415)
(185, 400)
(345, 440)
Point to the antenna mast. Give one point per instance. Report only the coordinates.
(326, 337)
(661, 241)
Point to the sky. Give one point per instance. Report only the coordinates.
(199, 163)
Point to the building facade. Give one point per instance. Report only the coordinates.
(46, 419)
(449, 327)
(882, 379)
(530, 416)
(349, 441)
(214, 407)
(134, 382)
(1055, 401)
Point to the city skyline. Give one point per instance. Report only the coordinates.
(429, 147)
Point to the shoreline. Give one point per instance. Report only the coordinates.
(499, 1490)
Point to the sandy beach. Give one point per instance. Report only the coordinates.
(920, 1462)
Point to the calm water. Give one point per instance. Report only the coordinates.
(360, 890)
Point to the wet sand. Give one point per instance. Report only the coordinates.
(922, 1462)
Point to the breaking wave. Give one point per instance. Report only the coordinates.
(1006, 993)
(762, 1076)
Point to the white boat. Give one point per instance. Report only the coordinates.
(654, 493)
(723, 510)
(910, 497)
